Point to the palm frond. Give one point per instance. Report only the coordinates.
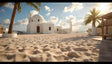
(98, 18)
(92, 13)
(99, 25)
(95, 17)
(38, 3)
(97, 12)
(19, 7)
(33, 5)
(98, 21)
(87, 19)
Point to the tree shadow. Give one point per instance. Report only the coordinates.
(76, 38)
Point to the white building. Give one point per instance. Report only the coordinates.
(37, 24)
(58, 29)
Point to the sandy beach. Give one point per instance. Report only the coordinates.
(76, 47)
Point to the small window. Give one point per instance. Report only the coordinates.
(57, 29)
(38, 20)
(49, 28)
(32, 20)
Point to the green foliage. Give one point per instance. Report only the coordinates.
(92, 17)
(99, 26)
(34, 5)
(19, 7)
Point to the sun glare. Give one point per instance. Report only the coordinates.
(103, 8)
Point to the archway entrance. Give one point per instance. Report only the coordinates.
(38, 29)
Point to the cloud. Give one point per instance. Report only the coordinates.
(6, 22)
(70, 18)
(19, 22)
(18, 25)
(20, 28)
(9, 5)
(78, 22)
(48, 14)
(52, 9)
(63, 24)
(22, 22)
(60, 23)
(33, 12)
(2, 10)
(53, 19)
(47, 8)
(77, 25)
(105, 7)
(73, 6)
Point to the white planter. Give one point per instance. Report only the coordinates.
(6, 35)
(94, 31)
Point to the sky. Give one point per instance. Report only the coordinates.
(58, 13)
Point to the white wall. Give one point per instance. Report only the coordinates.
(70, 23)
(33, 23)
(33, 28)
(46, 28)
(59, 29)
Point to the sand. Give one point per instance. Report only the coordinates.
(77, 47)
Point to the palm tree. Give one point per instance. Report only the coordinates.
(93, 17)
(17, 6)
(99, 26)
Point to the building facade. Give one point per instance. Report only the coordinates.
(38, 25)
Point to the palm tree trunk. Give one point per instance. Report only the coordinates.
(12, 18)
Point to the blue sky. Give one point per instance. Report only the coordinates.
(61, 11)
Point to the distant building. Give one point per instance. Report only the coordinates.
(58, 29)
(37, 24)
(20, 32)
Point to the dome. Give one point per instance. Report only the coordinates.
(38, 18)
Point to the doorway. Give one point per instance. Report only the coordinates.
(38, 29)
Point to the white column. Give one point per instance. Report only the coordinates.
(70, 26)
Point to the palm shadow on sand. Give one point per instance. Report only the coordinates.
(76, 38)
